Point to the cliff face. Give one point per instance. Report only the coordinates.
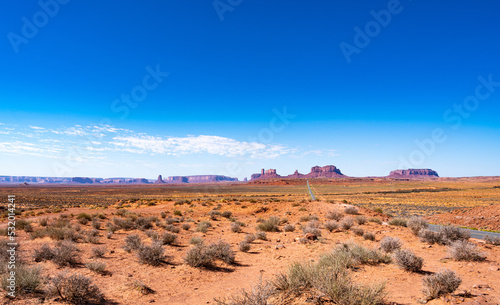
(412, 172)
(328, 171)
(159, 180)
(265, 174)
(199, 179)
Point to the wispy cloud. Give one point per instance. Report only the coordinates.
(213, 145)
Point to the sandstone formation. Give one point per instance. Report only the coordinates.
(328, 171)
(199, 179)
(159, 180)
(413, 173)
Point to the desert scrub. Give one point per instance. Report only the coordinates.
(492, 240)
(361, 220)
(244, 246)
(195, 240)
(151, 255)
(408, 261)
(358, 231)
(226, 214)
(346, 223)
(416, 224)
(261, 235)
(269, 225)
(75, 289)
(28, 279)
(172, 228)
(258, 295)
(369, 236)
(351, 210)
(375, 220)
(441, 283)
(203, 226)
(205, 256)
(98, 252)
(250, 238)
(235, 227)
(168, 238)
(331, 225)
(462, 250)
(132, 242)
(289, 228)
(400, 222)
(185, 226)
(308, 218)
(350, 255)
(44, 253)
(334, 215)
(96, 266)
(66, 254)
(389, 244)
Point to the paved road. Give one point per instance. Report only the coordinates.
(473, 233)
(310, 191)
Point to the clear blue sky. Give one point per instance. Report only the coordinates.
(361, 82)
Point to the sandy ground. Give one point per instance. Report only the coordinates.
(177, 283)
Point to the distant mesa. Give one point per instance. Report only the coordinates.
(328, 171)
(413, 173)
(197, 179)
(159, 180)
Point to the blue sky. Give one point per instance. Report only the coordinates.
(122, 88)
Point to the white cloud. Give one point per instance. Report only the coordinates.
(213, 145)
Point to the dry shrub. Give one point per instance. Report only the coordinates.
(99, 252)
(236, 228)
(269, 225)
(442, 283)
(249, 238)
(168, 238)
(346, 223)
(351, 210)
(462, 250)
(369, 236)
(334, 215)
(289, 228)
(400, 222)
(408, 261)
(66, 254)
(151, 255)
(132, 242)
(76, 289)
(358, 231)
(203, 226)
(416, 224)
(244, 246)
(257, 295)
(389, 244)
(331, 225)
(205, 256)
(44, 253)
(492, 240)
(28, 279)
(96, 266)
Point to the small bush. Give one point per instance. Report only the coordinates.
(236, 228)
(66, 254)
(289, 228)
(76, 289)
(172, 228)
(361, 220)
(429, 236)
(308, 218)
(311, 230)
(96, 224)
(227, 214)
(249, 238)
(151, 255)
(186, 226)
(96, 266)
(351, 210)
(28, 280)
(177, 213)
(408, 261)
(261, 235)
(416, 224)
(196, 241)
(132, 242)
(144, 223)
(331, 225)
(203, 226)
(400, 222)
(244, 246)
(24, 225)
(389, 244)
(222, 251)
(84, 216)
(462, 250)
(451, 234)
(43, 221)
(63, 233)
(168, 238)
(44, 253)
(199, 256)
(99, 252)
(358, 231)
(375, 220)
(258, 295)
(346, 223)
(269, 225)
(442, 283)
(334, 215)
(492, 240)
(214, 215)
(369, 236)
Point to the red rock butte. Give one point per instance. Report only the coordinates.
(328, 171)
